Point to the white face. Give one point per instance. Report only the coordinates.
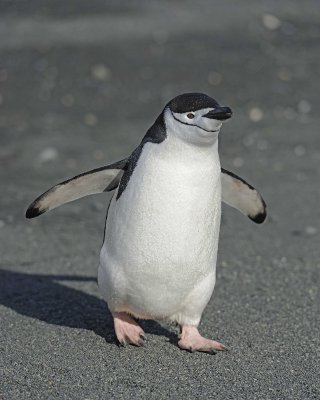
(193, 127)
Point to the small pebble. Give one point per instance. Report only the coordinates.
(277, 166)
(238, 162)
(90, 119)
(214, 78)
(101, 72)
(311, 230)
(304, 107)
(262, 145)
(249, 140)
(299, 150)
(255, 114)
(271, 21)
(224, 264)
(285, 74)
(48, 154)
(67, 100)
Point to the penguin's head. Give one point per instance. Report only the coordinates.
(195, 118)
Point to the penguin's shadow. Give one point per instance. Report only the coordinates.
(44, 297)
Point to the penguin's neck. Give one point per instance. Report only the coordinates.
(173, 149)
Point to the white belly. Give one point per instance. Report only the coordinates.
(159, 255)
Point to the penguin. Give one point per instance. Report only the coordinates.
(159, 254)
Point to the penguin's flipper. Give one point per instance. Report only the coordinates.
(237, 193)
(98, 180)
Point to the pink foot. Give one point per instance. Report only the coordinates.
(127, 330)
(191, 340)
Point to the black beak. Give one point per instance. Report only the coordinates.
(220, 113)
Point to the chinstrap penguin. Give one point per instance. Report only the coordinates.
(158, 259)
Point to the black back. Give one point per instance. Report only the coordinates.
(155, 134)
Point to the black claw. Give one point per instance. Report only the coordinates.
(224, 348)
(122, 343)
(140, 343)
(143, 336)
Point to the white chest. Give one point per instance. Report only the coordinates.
(161, 236)
(169, 213)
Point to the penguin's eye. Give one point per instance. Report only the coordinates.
(190, 115)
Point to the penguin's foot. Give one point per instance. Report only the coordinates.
(127, 330)
(191, 340)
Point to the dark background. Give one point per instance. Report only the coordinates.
(80, 83)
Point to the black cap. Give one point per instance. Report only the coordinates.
(191, 102)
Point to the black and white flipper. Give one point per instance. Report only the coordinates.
(98, 180)
(237, 193)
